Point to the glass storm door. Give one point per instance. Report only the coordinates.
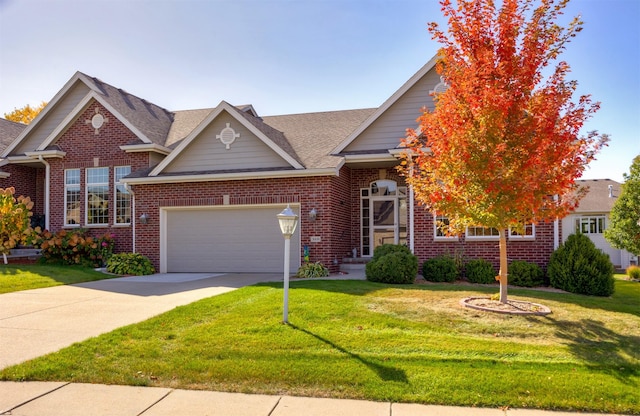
(384, 215)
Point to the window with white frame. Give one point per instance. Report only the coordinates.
(527, 233)
(593, 224)
(441, 228)
(482, 232)
(97, 202)
(122, 197)
(72, 197)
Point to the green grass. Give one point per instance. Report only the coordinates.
(363, 340)
(16, 277)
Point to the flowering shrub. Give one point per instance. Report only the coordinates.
(133, 264)
(75, 247)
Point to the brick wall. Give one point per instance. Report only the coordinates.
(328, 195)
(85, 149)
(25, 181)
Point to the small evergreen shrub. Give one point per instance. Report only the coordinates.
(310, 270)
(74, 247)
(440, 269)
(396, 267)
(131, 264)
(522, 273)
(577, 266)
(480, 271)
(633, 272)
(385, 249)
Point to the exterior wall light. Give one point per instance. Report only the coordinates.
(313, 215)
(144, 218)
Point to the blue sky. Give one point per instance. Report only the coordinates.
(289, 56)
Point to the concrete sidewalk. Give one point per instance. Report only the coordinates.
(51, 399)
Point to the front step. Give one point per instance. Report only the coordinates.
(351, 264)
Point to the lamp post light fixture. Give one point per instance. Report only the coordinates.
(288, 221)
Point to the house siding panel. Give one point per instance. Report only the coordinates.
(387, 131)
(53, 118)
(207, 153)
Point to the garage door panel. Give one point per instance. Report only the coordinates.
(227, 240)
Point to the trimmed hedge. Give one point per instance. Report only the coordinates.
(392, 264)
(577, 266)
(480, 271)
(440, 269)
(522, 273)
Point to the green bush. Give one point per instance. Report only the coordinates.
(131, 264)
(74, 247)
(633, 272)
(392, 263)
(385, 249)
(522, 273)
(397, 267)
(480, 271)
(577, 266)
(310, 270)
(440, 269)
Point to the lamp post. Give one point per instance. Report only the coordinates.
(288, 221)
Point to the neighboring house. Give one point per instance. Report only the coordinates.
(199, 190)
(592, 218)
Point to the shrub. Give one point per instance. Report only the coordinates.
(132, 264)
(396, 267)
(440, 269)
(577, 266)
(312, 270)
(522, 273)
(385, 249)
(480, 271)
(633, 272)
(74, 247)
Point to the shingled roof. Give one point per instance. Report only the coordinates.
(9, 130)
(600, 197)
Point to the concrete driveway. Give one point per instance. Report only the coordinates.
(41, 321)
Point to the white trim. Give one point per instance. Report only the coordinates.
(4, 175)
(146, 147)
(164, 218)
(223, 106)
(387, 104)
(86, 196)
(518, 237)
(46, 153)
(480, 237)
(368, 157)
(64, 179)
(233, 176)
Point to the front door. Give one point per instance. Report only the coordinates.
(384, 215)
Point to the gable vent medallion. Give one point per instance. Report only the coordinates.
(227, 136)
(97, 121)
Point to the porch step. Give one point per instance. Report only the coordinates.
(350, 264)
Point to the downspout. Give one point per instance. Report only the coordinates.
(133, 217)
(47, 187)
(411, 216)
(556, 230)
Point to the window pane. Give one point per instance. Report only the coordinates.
(97, 204)
(383, 213)
(72, 209)
(122, 198)
(98, 175)
(72, 177)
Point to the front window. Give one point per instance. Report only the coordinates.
(482, 232)
(72, 197)
(441, 228)
(122, 197)
(97, 196)
(528, 232)
(590, 225)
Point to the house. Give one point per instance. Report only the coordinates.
(591, 218)
(199, 190)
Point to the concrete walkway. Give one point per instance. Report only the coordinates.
(40, 321)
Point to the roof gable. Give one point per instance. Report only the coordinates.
(387, 125)
(601, 195)
(230, 139)
(148, 122)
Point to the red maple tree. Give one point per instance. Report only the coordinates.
(503, 147)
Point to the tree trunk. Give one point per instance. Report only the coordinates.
(503, 265)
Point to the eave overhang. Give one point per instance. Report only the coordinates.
(145, 147)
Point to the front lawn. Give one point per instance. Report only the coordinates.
(16, 277)
(357, 339)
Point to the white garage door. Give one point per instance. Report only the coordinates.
(227, 239)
